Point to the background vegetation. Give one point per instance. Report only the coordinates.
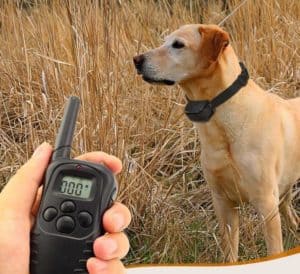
(51, 49)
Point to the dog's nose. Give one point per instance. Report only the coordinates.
(138, 61)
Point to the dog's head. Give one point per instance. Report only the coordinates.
(186, 53)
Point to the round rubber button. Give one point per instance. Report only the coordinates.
(65, 224)
(68, 207)
(85, 219)
(49, 214)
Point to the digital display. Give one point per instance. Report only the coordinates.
(75, 187)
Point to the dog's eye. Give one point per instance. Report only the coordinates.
(177, 45)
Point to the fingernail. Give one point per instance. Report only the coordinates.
(40, 149)
(118, 221)
(109, 245)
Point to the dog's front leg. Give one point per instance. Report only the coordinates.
(288, 212)
(227, 214)
(268, 208)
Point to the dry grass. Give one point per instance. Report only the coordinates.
(56, 48)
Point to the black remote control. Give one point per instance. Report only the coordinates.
(75, 196)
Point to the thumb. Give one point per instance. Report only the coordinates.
(19, 193)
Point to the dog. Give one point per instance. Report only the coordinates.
(250, 139)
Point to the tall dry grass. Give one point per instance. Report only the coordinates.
(51, 49)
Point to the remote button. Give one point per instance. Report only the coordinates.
(68, 207)
(49, 214)
(65, 224)
(85, 219)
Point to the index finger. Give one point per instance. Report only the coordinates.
(100, 157)
(20, 192)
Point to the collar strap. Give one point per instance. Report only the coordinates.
(203, 110)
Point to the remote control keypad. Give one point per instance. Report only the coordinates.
(65, 224)
(85, 219)
(69, 218)
(68, 207)
(49, 214)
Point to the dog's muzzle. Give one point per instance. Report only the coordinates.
(138, 62)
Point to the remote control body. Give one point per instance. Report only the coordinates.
(67, 224)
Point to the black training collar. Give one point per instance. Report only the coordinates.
(203, 110)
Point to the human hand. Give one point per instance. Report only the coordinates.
(19, 203)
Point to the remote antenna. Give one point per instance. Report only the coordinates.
(65, 134)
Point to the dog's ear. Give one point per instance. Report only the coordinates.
(214, 41)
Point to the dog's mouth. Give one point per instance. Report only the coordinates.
(158, 81)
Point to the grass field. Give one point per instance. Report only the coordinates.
(51, 49)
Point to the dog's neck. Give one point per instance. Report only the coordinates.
(220, 76)
(231, 116)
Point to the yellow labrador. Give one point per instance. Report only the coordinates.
(250, 138)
